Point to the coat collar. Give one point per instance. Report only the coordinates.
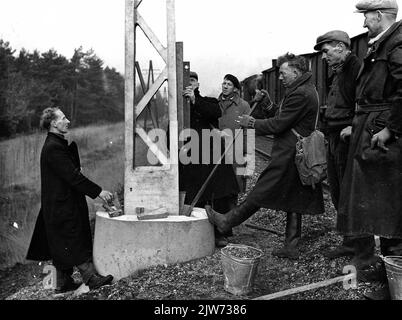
(384, 37)
(58, 137)
(346, 64)
(299, 82)
(226, 103)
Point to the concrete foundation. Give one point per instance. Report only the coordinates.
(123, 246)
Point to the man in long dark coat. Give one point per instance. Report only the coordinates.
(371, 196)
(62, 231)
(337, 126)
(279, 186)
(222, 190)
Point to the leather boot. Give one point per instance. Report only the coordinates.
(65, 282)
(346, 249)
(364, 253)
(97, 281)
(381, 294)
(225, 222)
(293, 235)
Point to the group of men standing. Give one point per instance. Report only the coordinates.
(363, 124)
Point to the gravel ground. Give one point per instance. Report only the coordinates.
(204, 278)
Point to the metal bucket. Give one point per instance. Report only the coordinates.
(393, 265)
(239, 273)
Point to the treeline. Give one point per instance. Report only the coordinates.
(30, 82)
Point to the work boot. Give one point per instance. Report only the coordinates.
(225, 222)
(374, 273)
(292, 237)
(67, 286)
(339, 252)
(381, 294)
(97, 281)
(364, 253)
(221, 242)
(344, 250)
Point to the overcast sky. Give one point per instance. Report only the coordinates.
(220, 36)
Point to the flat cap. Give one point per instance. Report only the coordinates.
(388, 6)
(334, 35)
(193, 75)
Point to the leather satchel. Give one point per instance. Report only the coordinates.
(311, 158)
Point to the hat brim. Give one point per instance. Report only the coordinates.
(393, 11)
(319, 45)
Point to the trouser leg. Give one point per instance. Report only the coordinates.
(63, 276)
(333, 180)
(337, 156)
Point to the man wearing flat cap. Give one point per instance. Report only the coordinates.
(337, 125)
(371, 193)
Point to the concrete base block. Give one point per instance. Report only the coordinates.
(123, 246)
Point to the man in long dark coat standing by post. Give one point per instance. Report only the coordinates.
(62, 231)
(371, 196)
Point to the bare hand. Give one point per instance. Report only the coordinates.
(380, 139)
(346, 133)
(259, 95)
(189, 93)
(245, 121)
(106, 196)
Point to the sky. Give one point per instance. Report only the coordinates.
(220, 36)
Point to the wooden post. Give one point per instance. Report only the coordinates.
(180, 86)
(186, 108)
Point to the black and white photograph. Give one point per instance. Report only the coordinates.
(199, 158)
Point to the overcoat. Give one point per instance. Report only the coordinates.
(204, 115)
(279, 186)
(371, 194)
(62, 231)
(232, 108)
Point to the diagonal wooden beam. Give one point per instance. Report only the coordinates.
(151, 92)
(137, 3)
(152, 37)
(144, 89)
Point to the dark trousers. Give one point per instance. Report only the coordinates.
(86, 269)
(337, 156)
